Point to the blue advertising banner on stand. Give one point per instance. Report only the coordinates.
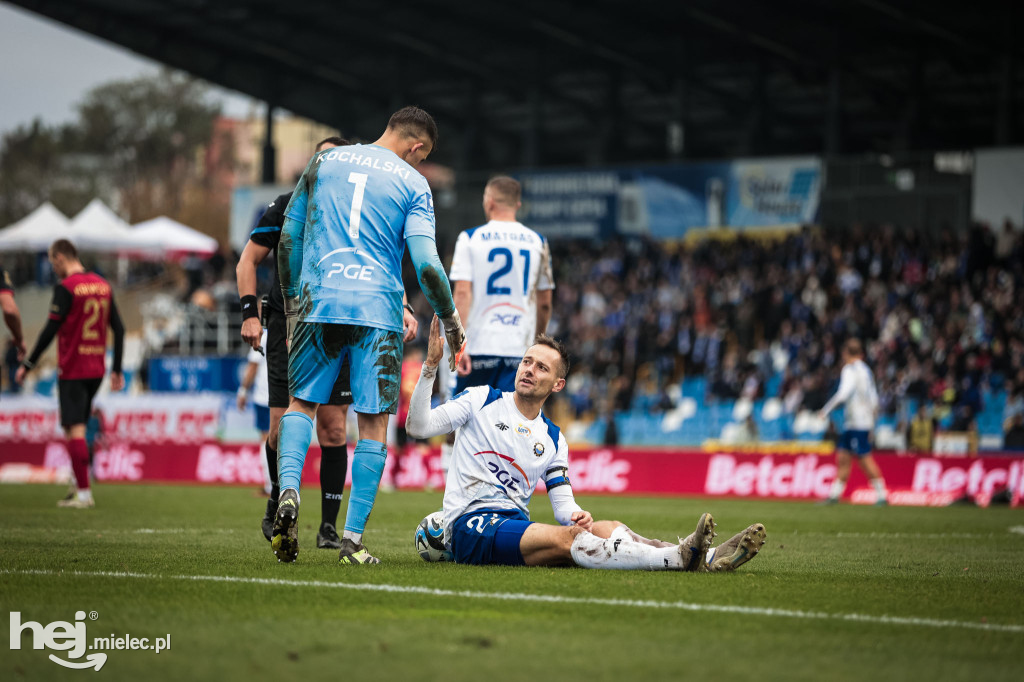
(192, 374)
(665, 202)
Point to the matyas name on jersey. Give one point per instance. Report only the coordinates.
(490, 235)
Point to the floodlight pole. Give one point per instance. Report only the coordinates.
(269, 154)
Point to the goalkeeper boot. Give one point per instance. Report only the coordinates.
(285, 540)
(351, 553)
(737, 550)
(327, 537)
(694, 546)
(267, 524)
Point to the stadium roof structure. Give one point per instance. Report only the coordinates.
(552, 82)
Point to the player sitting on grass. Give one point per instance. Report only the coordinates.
(503, 446)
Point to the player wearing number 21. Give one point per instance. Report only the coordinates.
(80, 312)
(346, 228)
(503, 283)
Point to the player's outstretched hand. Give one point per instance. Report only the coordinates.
(456, 337)
(19, 376)
(116, 381)
(252, 331)
(583, 519)
(435, 344)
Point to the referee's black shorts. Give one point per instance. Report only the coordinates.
(277, 366)
(76, 399)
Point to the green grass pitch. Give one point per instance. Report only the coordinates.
(838, 593)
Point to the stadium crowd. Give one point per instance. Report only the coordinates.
(942, 316)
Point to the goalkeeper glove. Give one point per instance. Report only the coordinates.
(455, 335)
(291, 316)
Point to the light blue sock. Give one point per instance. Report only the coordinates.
(296, 434)
(367, 468)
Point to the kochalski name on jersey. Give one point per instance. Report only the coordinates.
(356, 159)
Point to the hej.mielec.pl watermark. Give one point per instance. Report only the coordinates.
(71, 638)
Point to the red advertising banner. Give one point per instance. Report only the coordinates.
(911, 480)
(177, 419)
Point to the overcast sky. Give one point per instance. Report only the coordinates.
(46, 68)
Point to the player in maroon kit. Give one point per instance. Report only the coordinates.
(80, 312)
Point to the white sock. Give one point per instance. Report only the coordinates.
(837, 489)
(353, 536)
(621, 533)
(879, 486)
(619, 553)
(85, 495)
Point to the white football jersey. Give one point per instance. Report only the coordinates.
(499, 455)
(508, 263)
(260, 385)
(857, 391)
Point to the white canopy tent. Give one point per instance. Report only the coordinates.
(98, 228)
(36, 231)
(171, 236)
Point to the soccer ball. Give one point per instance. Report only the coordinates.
(429, 538)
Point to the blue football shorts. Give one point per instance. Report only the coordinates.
(318, 352)
(856, 442)
(262, 417)
(489, 536)
(490, 370)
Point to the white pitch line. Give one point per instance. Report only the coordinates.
(148, 531)
(547, 599)
(928, 536)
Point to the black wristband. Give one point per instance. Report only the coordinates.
(249, 308)
(409, 308)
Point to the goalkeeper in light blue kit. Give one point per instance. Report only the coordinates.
(340, 257)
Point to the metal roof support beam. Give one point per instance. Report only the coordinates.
(757, 129)
(269, 174)
(908, 132)
(677, 128)
(833, 137)
(534, 128)
(1005, 107)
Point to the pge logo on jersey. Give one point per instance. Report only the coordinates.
(352, 271)
(505, 478)
(507, 319)
(71, 637)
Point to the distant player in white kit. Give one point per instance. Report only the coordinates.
(502, 288)
(857, 391)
